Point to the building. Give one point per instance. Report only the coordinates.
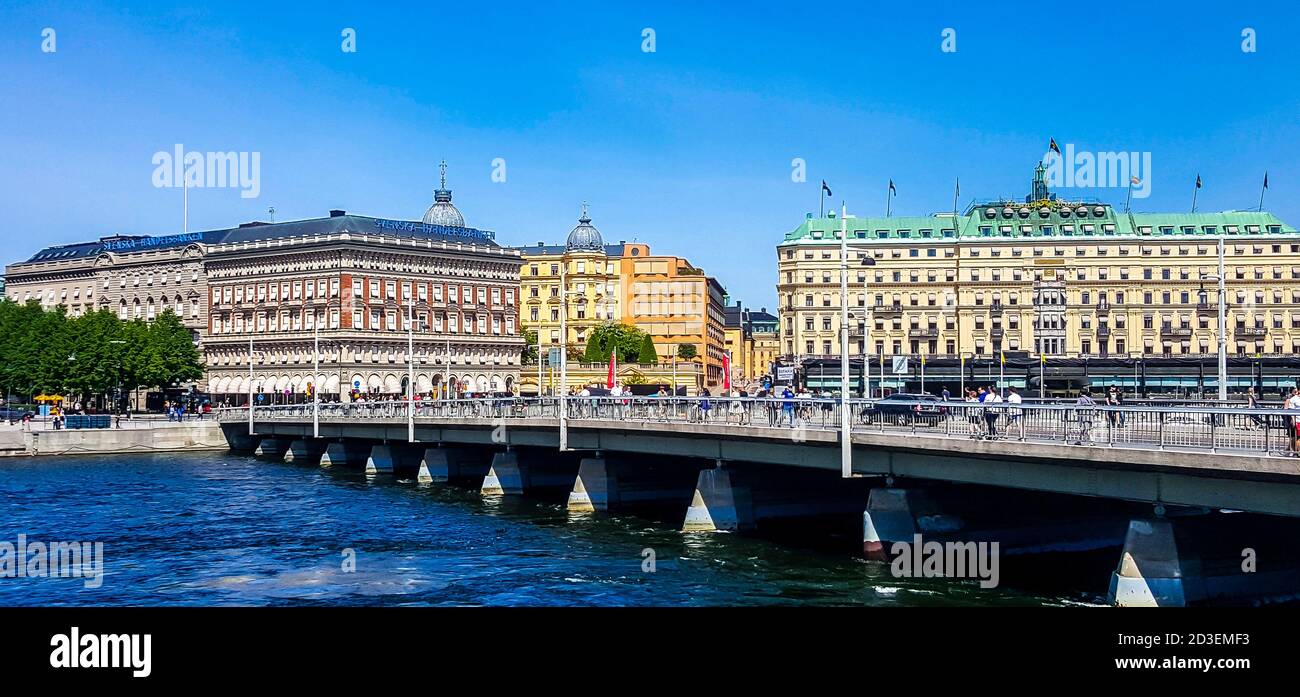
(1042, 276)
(591, 273)
(136, 276)
(737, 342)
(763, 329)
(664, 296)
(348, 281)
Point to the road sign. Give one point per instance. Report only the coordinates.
(901, 365)
(785, 373)
(553, 356)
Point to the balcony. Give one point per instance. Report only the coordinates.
(923, 333)
(1251, 331)
(1103, 332)
(1103, 308)
(1175, 332)
(996, 308)
(997, 332)
(892, 309)
(1206, 309)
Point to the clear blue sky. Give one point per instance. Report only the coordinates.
(687, 148)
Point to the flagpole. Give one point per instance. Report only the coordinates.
(1002, 375)
(889, 199)
(1196, 191)
(1129, 198)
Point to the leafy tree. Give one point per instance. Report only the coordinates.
(647, 355)
(686, 351)
(529, 355)
(614, 337)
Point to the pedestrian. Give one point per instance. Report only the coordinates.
(972, 412)
(787, 405)
(1013, 397)
(992, 413)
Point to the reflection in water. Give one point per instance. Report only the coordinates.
(223, 529)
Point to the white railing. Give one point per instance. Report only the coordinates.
(1260, 431)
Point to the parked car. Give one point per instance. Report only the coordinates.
(15, 415)
(902, 408)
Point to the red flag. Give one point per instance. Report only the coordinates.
(726, 373)
(613, 360)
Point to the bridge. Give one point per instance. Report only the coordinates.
(734, 463)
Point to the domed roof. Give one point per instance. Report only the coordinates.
(584, 237)
(442, 212)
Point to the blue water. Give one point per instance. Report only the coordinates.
(225, 529)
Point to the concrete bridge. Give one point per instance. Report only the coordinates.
(1157, 477)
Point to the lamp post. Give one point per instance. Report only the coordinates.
(410, 370)
(846, 439)
(1223, 323)
(564, 355)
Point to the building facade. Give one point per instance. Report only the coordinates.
(664, 296)
(351, 284)
(346, 283)
(1042, 276)
(137, 277)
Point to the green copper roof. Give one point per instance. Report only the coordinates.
(1040, 219)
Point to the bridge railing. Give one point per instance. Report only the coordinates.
(1210, 429)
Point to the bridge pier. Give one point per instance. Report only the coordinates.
(896, 515)
(342, 453)
(384, 459)
(304, 450)
(719, 503)
(1150, 571)
(271, 447)
(506, 476)
(605, 483)
(240, 441)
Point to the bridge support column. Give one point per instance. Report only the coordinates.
(303, 450)
(1150, 572)
(596, 487)
(896, 515)
(239, 440)
(341, 453)
(719, 504)
(505, 477)
(381, 460)
(271, 447)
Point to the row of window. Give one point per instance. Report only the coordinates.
(378, 289)
(374, 320)
(975, 252)
(1066, 230)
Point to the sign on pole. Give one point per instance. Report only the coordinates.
(901, 365)
(553, 356)
(785, 373)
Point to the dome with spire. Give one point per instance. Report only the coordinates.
(584, 237)
(442, 212)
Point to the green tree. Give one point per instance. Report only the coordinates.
(173, 357)
(529, 354)
(686, 351)
(647, 355)
(614, 337)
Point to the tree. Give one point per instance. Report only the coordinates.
(614, 337)
(686, 351)
(529, 354)
(647, 355)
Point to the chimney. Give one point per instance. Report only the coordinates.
(336, 213)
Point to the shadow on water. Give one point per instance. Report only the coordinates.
(224, 529)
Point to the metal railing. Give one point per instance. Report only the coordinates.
(1269, 432)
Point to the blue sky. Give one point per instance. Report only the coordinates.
(688, 148)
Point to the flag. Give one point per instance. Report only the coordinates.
(923, 359)
(1042, 358)
(1004, 358)
(613, 360)
(1134, 181)
(891, 187)
(827, 189)
(1198, 181)
(959, 187)
(1265, 180)
(726, 373)
(1052, 146)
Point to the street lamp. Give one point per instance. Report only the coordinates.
(1223, 323)
(117, 393)
(867, 318)
(564, 355)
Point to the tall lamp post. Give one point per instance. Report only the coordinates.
(846, 439)
(1223, 323)
(564, 355)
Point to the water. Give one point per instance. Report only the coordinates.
(225, 529)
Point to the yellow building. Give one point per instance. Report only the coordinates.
(1064, 279)
(664, 296)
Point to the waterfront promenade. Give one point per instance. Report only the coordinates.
(136, 435)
